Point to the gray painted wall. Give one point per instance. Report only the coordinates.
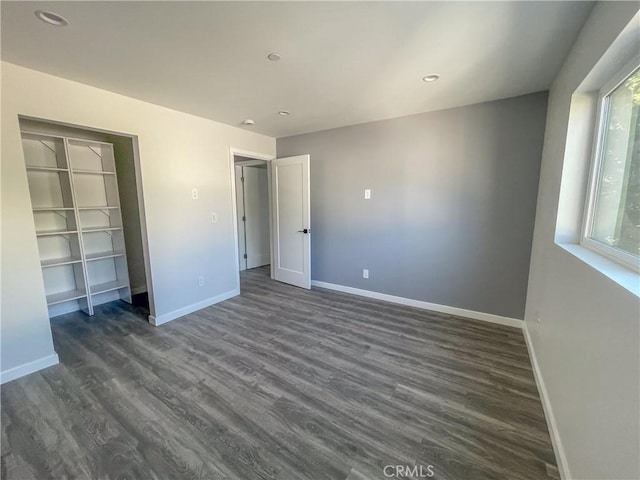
(452, 208)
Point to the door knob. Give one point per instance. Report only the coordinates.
(306, 230)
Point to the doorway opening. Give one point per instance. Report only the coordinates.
(271, 206)
(252, 212)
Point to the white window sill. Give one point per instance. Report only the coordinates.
(621, 275)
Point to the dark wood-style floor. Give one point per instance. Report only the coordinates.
(278, 383)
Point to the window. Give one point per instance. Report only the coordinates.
(612, 220)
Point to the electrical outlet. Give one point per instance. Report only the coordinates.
(214, 218)
(201, 281)
(367, 194)
(195, 194)
(365, 273)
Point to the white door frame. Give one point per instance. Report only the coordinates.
(234, 204)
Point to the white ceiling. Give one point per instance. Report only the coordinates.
(342, 62)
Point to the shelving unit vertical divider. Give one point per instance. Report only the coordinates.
(85, 305)
(112, 209)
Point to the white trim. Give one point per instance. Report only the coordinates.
(254, 155)
(27, 368)
(460, 312)
(615, 271)
(62, 308)
(620, 76)
(138, 290)
(142, 212)
(250, 163)
(167, 317)
(612, 253)
(558, 449)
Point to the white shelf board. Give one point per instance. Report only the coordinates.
(92, 172)
(108, 286)
(86, 142)
(100, 229)
(47, 169)
(56, 232)
(55, 262)
(65, 296)
(106, 207)
(38, 134)
(52, 209)
(101, 255)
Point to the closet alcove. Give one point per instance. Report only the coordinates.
(87, 216)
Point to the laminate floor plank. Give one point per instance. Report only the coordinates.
(325, 340)
(299, 356)
(278, 383)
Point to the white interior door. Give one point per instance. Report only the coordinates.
(256, 211)
(292, 229)
(240, 215)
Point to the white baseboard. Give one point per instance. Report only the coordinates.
(460, 312)
(27, 368)
(105, 297)
(558, 449)
(167, 317)
(138, 290)
(260, 260)
(63, 308)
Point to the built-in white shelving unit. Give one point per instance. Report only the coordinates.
(78, 221)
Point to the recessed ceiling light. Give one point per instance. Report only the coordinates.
(248, 122)
(274, 57)
(51, 18)
(431, 77)
(284, 113)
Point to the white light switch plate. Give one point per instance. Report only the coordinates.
(214, 218)
(367, 194)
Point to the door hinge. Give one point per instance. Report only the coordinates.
(244, 219)
(242, 179)
(245, 255)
